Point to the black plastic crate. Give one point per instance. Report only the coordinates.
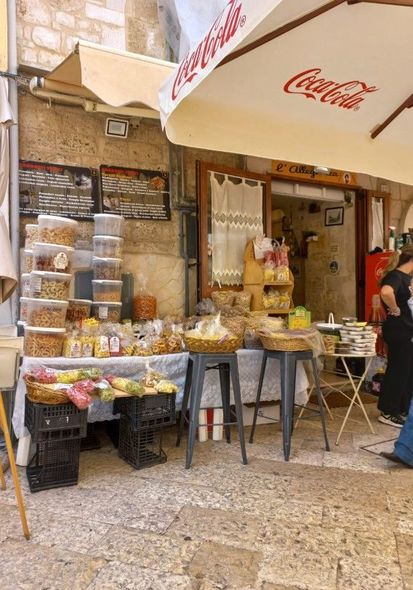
(149, 411)
(140, 448)
(91, 442)
(55, 422)
(54, 465)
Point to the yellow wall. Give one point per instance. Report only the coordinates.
(3, 35)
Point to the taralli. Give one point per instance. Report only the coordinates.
(107, 311)
(44, 318)
(109, 296)
(43, 342)
(57, 230)
(63, 236)
(32, 234)
(49, 285)
(107, 268)
(79, 309)
(52, 258)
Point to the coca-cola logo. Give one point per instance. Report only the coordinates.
(346, 95)
(221, 32)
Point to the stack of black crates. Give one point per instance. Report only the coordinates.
(142, 420)
(57, 431)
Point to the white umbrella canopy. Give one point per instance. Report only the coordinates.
(8, 274)
(328, 83)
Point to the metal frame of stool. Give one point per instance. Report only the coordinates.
(198, 364)
(288, 365)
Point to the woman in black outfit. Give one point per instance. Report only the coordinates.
(397, 386)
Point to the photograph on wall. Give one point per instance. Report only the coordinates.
(334, 216)
(135, 193)
(57, 189)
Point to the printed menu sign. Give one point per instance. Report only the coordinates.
(58, 189)
(135, 193)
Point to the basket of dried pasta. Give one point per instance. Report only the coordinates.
(210, 336)
(290, 340)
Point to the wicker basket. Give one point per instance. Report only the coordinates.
(230, 344)
(234, 325)
(39, 393)
(288, 343)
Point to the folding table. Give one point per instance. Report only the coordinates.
(356, 383)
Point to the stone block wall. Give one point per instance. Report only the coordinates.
(49, 29)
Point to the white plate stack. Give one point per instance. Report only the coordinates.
(358, 339)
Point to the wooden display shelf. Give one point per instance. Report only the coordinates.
(255, 283)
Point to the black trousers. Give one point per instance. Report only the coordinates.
(397, 387)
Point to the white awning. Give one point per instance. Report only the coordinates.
(326, 83)
(105, 75)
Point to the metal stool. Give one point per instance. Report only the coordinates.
(288, 362)
(198, 363)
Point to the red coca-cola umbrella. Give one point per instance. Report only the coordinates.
(301, 80)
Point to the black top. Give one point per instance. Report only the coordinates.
(400, 283)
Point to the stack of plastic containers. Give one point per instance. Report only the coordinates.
(107, 267)
(48, 285)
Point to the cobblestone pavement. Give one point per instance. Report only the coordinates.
(340, 520)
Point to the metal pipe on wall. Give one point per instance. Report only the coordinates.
(14, 149)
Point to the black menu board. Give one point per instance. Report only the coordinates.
(57, 189)
(135, 193)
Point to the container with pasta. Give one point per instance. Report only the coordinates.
(108, 224)
(52, 257)
(107, 311)
(27, 265)
(43, 342)
(107, 268)
(107, 246)
(23, 308)
(57, 230)
(78, 310)
(31, 231)
(46, 313)
(49, 285)
(107, 290)
(25, 284)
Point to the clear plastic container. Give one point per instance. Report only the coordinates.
(79, 309)
(107, 246)
(110, 291)
(23, 308)
(107, 224)
(46, 313)
(107, 269)
(107, 311)
(49, 285)
(57, 230)
(32, 235)
(43, 342)
(25, 284)
(52, 257)
(27, 261)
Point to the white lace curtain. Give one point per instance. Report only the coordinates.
(236, 215)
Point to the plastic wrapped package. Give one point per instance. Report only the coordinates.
(151, 377)
(144, 303)
(72, 346)
(79, 393)
(105, 391)
(41, 375)
(126, 385)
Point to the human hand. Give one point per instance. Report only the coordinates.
(395, 311)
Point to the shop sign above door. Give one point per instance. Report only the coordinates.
(135, 193)
(305, 172)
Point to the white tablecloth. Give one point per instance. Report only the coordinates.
(174, 367)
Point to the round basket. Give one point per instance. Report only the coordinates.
(39, 393)
(285, 343)
(230, 344)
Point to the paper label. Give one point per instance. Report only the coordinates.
(60, 261)
(104, 343)
(114, 344)
(36, 284)
(87, 349)
(103, 312)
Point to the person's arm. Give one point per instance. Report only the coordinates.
(389, 298)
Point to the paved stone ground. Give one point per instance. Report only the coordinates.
(340, 520)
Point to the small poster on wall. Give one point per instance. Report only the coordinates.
(57, 189)
(135, 193)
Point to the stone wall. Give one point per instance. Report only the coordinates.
(49, 29)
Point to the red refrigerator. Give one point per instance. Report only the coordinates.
(375, 264)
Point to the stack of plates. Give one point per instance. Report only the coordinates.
(357, 338)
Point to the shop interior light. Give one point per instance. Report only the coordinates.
(322, 170)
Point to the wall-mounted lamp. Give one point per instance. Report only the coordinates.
(322, 170)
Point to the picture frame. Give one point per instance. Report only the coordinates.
(334, 216)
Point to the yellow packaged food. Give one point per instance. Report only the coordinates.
(102, 347)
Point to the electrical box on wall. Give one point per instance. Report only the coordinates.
(117, 128)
